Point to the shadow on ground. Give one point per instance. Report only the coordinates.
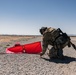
(66, 60)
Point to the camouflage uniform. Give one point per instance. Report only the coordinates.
(54, 37)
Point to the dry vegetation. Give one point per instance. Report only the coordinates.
(8, 38)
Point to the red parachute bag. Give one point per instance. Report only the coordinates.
(32, 48)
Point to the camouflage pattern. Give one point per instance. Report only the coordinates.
(52, 36)
(52, 53)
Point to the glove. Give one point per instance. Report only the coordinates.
(41, 55)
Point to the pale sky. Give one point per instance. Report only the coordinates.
(26, 17)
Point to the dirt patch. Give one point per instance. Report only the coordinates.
(10, 38)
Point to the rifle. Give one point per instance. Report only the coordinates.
(73, 45)
(66, 36)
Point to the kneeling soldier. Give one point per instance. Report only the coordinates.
(57, 39)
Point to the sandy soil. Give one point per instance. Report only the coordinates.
(32, 64)
(10, 38)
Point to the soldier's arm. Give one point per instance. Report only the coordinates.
(45, 45)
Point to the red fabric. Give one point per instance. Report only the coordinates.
(16, 49)
(32, 48)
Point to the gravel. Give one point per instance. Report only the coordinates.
(32, 64)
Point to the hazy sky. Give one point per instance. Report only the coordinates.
(28, 16)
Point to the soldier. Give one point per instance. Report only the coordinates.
(57, 39)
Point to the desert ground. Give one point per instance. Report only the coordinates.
(32, 64)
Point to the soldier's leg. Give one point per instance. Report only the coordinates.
(60, 52)
(52, 53)
(58, 46)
